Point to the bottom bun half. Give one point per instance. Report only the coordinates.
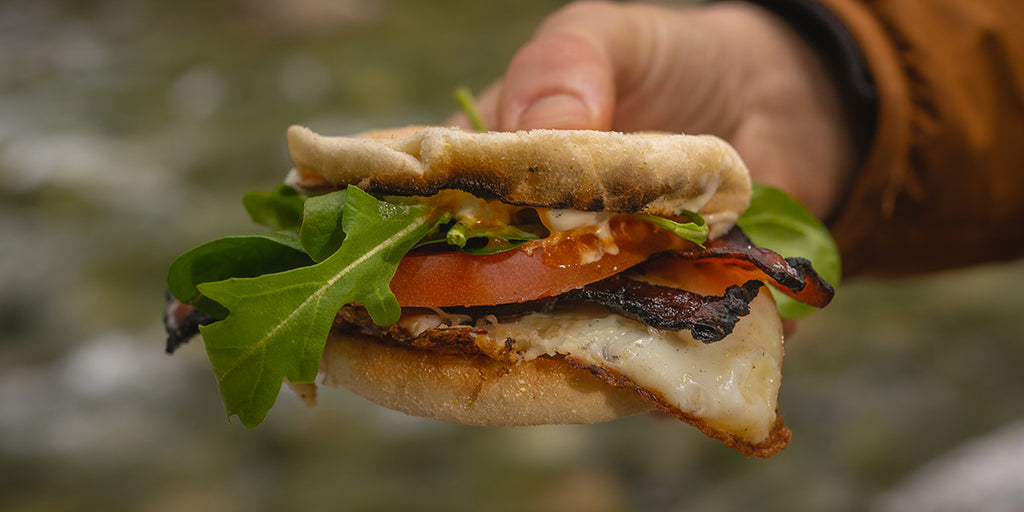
(727, 389)
(472, 389)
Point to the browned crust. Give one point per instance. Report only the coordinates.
(659, 173)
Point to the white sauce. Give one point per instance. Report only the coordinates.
(474, 211)
(567, 220)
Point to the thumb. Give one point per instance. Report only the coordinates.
(562, 78)
(562, 110)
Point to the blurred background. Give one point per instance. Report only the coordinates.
(129, 132)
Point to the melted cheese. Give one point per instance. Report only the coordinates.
(568, 220)
(732, 384)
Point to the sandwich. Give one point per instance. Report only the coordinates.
(533, 277)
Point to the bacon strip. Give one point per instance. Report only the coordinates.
(709, 318)
(793, 276)
(182, 321)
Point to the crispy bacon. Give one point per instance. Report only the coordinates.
(793, 276)
(709, 318)
(182, 323)
(729, 260)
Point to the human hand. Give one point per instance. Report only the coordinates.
(730, 69)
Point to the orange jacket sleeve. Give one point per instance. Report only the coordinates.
(942, 184)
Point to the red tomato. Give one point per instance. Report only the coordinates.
(534, 270)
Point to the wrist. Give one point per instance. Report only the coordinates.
(799, 130)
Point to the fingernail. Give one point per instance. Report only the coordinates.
(561, 111)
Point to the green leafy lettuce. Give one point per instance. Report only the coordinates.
(483, 240)
(279, 209)
(467, 103)
(278, 323)
(232, 256)
(696, 230)
(322, 233)
(778, 222)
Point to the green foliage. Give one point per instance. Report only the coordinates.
(278, 323)
(279, 209)
(778, 222)
(486, 240)
(321, 233)
(466, 102)
(232, 256)
(695, 231)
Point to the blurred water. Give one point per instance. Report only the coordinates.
(128, 131)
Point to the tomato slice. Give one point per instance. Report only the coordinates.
(537, 269)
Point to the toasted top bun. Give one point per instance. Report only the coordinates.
(649, 172)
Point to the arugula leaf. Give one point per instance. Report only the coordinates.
(278, 209)
(321, 234)
(488, 240)
(464, 97)
(232, 256)
(695, 231)
(278, 323)
(778, 222)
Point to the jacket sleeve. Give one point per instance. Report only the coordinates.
(942, 181)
